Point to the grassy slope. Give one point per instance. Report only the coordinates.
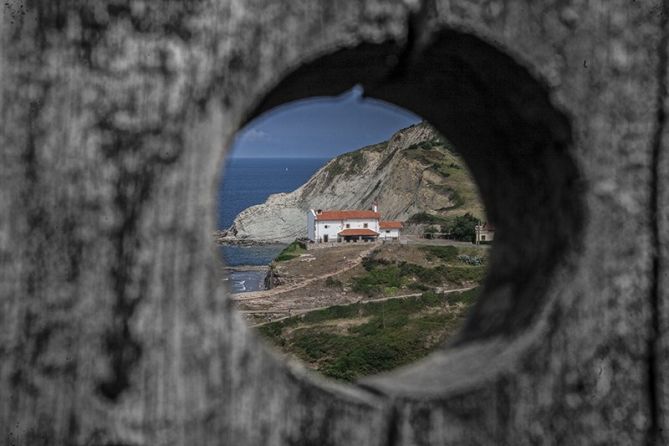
(388, 275)
(290, 252)
(352, 341)
(441, 158)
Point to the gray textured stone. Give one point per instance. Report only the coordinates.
(114, 327)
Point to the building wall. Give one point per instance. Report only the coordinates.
(332, 228)
(389, 234)
(484, 236)
(311, 225)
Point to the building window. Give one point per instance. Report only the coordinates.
(387, 232)
(348, 225)
(325, 226)
(364, 225)
(483, 238)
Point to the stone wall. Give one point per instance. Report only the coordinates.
(114, 326)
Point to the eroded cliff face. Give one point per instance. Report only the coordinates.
(415, 171)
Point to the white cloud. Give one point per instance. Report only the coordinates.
(255, 135)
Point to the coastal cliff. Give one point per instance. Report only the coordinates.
(414, 172)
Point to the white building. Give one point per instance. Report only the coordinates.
(390, 230)
(349, 225)
(484, 233)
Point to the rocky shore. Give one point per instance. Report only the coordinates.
(225, 237)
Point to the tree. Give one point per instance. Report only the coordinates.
(429, 232)
(464, 227)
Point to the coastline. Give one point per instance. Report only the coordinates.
(246, 278)
(247, 265)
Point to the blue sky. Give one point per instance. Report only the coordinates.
(321, 127)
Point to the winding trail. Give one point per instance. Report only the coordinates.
(297, 312)
(292, 287)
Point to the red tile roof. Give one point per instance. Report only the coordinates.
(390, 225)
(346, 215)
(365, 232)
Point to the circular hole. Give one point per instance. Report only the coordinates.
(518, 148)
(353, 233)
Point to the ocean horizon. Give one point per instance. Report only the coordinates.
(247, 181)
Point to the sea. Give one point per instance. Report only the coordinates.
(246, 182)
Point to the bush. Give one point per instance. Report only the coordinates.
(423, 145)
(376, 280)
(445, 253)
(464, 274)
(369, 263)
(336, 168)
(347, 164)
(430, 232)
(418, 286)
(425, 218)
(458, 201)
(333, 283)
(437, 167)
(396, 332)
(464, 297)
(291, 251)
(470, 260)
(464, 227)
(357, 162)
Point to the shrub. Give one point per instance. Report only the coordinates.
(470, 260)
(333, 283)
(429, 232)
(424, 218)
(336, 168)
(463, 274)
(465, 297)
(458, 201)
(291, 251)
(445, 253)
(418, 286)
(357, 161)
(376, 280)
(369, 263)
(437, 167)
(464, 227)
(432, 276)
(347, 164)
(396, 332)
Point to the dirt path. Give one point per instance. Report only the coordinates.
(296, 312)
(417, 240)
(287, 288)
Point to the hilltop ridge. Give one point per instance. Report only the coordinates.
(416, 171)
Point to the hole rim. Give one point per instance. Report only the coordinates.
(374, 66)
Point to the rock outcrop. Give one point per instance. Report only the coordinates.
(415, 171)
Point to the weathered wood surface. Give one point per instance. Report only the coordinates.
(115, 115)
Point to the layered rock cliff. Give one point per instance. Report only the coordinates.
(415, 171)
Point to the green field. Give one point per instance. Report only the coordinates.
(352, 341)
(448, 265)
